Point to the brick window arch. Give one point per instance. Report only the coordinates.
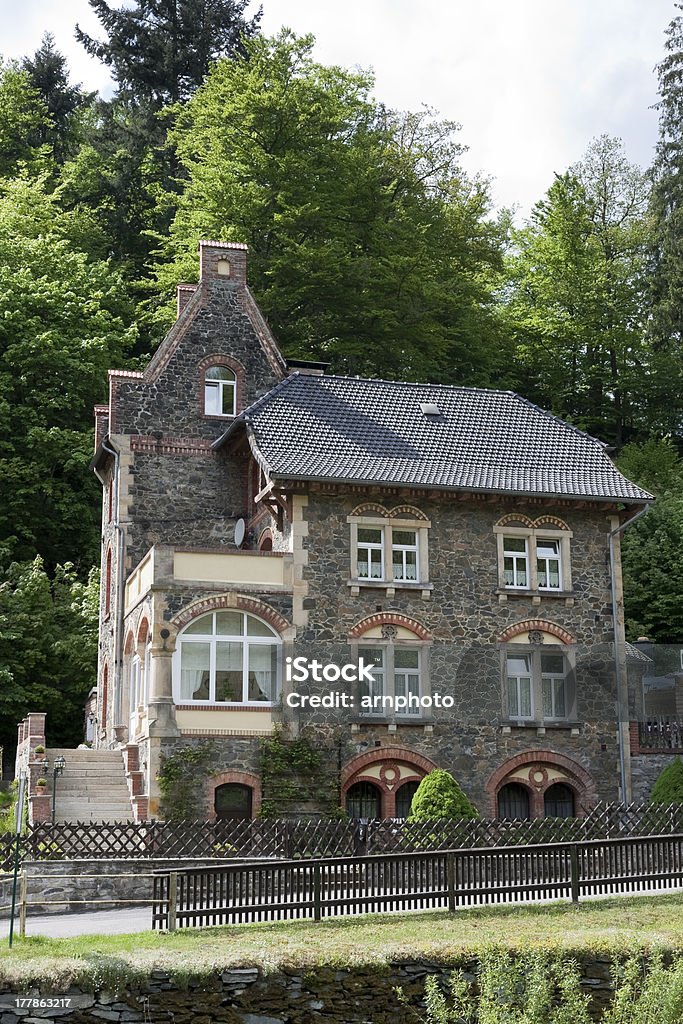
(539, 771)
(387, 769)
(249, 779)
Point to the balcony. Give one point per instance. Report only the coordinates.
(165, 566)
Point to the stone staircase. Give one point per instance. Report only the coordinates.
(93, 786)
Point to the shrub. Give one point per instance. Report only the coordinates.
(668, 789)
(440, 796)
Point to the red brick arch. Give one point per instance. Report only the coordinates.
(576, 777)
(241, 778)
(531, 625)
(386, 755)
(233, 602)
(218, 359)
(392, 619)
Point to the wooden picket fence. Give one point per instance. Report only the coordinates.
(316, 889)
(314, 838)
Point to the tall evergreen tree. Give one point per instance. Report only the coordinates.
(667, 199)
(161, 50)
(49, 75)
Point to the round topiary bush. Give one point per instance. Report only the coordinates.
(668, 789)
(440, 796)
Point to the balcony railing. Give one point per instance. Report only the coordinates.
(660, 733)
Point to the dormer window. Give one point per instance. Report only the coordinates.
(220, 387)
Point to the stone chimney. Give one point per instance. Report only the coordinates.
(226, 261)
(184, 293)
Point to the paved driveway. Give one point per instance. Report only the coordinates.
(99, 922)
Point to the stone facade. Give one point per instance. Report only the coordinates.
(171, 503)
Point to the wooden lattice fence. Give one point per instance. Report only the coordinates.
(311, 838)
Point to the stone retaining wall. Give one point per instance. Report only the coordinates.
(90, 880)
(363, 995)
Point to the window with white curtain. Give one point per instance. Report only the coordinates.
(226, 657)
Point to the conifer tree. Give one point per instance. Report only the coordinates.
(161, 50)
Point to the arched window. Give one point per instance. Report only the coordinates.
(233, 801)
(513, 801)
(220, 386)
(226, 657)
(363, 800)
(558, 801)
(404, 798)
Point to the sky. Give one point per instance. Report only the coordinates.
(530, 81)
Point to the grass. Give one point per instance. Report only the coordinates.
(111, 961)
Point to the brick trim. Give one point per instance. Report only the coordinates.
(532, 524)
(530, 625)
(169, 445)
(224, 707)
(578, 779)
(241, 778)
(245, 604)
(372, 508)
(392, 619)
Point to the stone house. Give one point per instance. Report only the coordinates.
(460, 543)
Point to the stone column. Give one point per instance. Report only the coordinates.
(161, 709)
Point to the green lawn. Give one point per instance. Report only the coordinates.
(607, 925)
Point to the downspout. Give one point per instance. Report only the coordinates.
(620, 661)
(118, 598)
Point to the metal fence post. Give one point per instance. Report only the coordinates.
(22, 905)
(574, 871)
(171, 918)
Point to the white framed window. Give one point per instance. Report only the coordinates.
(400, 669)
(220, 391)
(548, 564)
(538, 683)
(533, 558)
(227, 657)
(404, 555)
(515, 562)
(389, 550)
(370, 553)
(520, 702)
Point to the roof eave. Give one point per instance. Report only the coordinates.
(361, 482)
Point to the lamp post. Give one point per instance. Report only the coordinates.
(57, 769)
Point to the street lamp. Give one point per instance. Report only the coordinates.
(57, 769)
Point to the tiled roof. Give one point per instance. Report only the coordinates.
(373, 431)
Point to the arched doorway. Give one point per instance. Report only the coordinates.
(513, 801)
(363, 800)
(558, 801)
(404, 798)
(387, 769)
(232, 801)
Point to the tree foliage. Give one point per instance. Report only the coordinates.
(577, 299)
(63, 326)
(368, 245)
(49, 75)
(440, 796)
(668, 789)
(23, 120)
(653, 546)
(48, 648)
(160, 50)
(667, 205)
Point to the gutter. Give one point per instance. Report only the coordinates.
(118, 597)
(620, 660)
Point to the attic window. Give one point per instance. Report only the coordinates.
(430, 409)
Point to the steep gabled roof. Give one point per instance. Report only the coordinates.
(348, 429)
